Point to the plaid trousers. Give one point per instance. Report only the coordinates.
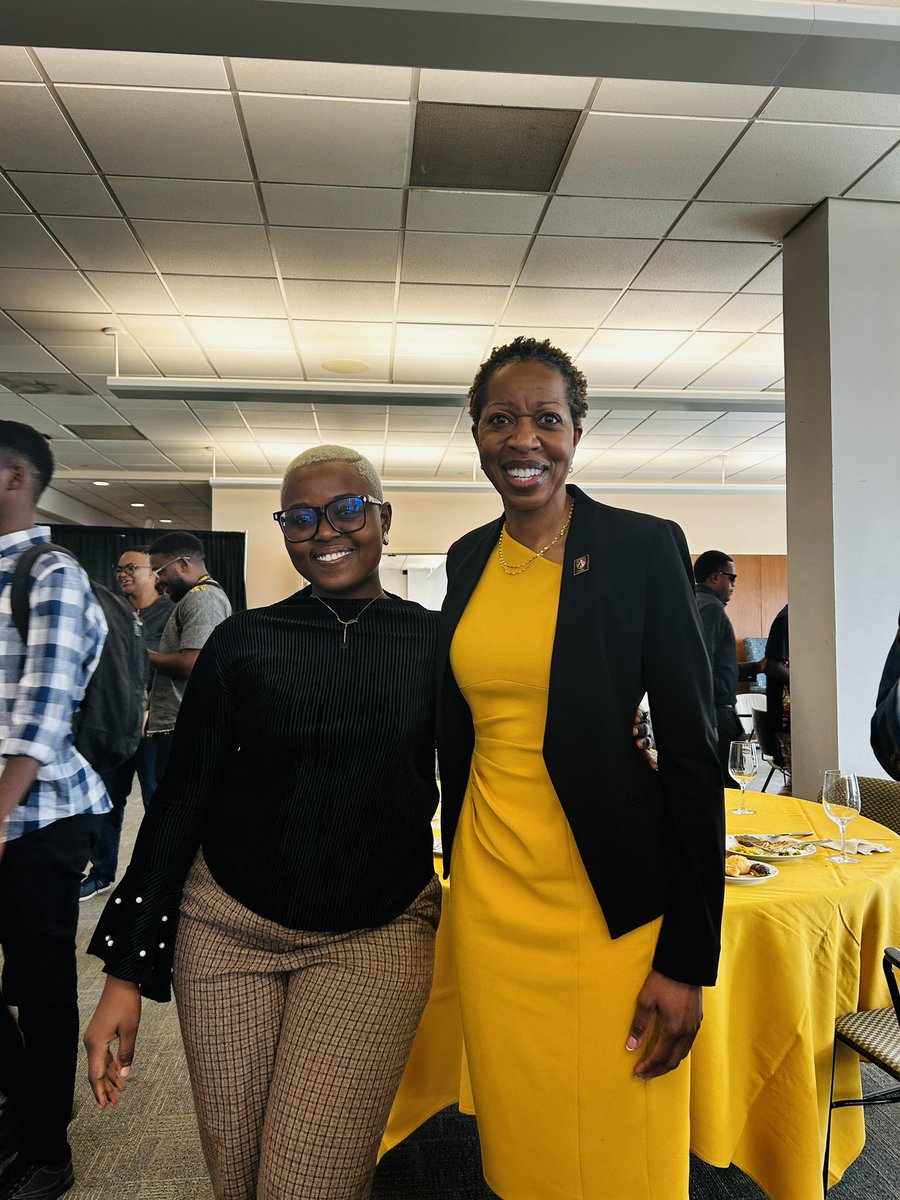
(296, 1041)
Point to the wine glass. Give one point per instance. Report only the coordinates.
(743, 766)
(840, 799)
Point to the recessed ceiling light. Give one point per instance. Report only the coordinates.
(345, 366)
(165, 520)
(100, 483)
(136, 504)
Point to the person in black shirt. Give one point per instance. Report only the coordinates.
(778, 694)
(290, 846)
(715, 576)
(885, 732)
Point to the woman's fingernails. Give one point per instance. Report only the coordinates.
(631, 1044)
(125, 1072)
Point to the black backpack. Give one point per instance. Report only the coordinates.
(108, 722)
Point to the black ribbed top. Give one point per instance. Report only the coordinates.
(304, 771)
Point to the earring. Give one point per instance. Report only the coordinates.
(385, 539)
(571, 469)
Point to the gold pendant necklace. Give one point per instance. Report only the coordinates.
(509, 569)
(353, 620)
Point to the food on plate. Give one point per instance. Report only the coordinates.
(778, 848)
(736, 865)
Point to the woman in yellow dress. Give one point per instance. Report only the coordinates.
(587, 889)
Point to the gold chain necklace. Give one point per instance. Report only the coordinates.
(509, 569)
(353, 620)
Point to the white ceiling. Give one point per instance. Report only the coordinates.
(254, 219)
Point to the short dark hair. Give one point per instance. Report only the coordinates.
(709, 563)
(178, 545)
(18, 441)
(527, 349)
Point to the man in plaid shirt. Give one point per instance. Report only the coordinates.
(49, 801)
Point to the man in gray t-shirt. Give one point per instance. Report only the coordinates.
(178, 563)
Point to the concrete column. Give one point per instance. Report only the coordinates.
(842, 358)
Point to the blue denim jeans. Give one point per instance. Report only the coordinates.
(105, 854)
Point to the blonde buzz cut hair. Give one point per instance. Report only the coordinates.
(330, 454)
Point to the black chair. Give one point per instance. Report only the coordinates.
(875, 1036)
(767, 750)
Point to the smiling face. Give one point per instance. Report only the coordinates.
(343, 565)
(526, 436)
(136, 583)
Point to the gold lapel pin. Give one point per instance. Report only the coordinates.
(582, 564)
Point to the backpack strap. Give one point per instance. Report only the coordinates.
(19, 590)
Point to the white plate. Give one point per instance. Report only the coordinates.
(752, 878)
(733, 846)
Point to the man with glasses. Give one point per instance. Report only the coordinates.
(715, 577)
(135, 578)
(178, 567)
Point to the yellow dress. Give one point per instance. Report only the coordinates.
(547, 997)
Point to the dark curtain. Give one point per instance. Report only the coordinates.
(99, 547)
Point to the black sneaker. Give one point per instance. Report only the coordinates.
(92, 885)
(24, 1179)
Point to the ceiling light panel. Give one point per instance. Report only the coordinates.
(34, 135)
(797, 164)
(584, 262)
(462, 258)
(65, 195)
(187, 248)
(472, 212)
(322, 79)
(25, 243)
(500, 149)
(100, 243)
(702, 266)
(298, 140)
(134, 69)
(333, 207)
(204, 200)
(662, 157)
(336, 253)
(182, 135)
(678, 99)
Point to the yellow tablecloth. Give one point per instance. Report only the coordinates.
(797, 951)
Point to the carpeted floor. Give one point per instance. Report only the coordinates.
(147, 1148)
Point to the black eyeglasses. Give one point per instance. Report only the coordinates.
(728, 575)
(346, 514)
(129, 568)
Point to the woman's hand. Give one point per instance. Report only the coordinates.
(678, 1008)
(116, 1018)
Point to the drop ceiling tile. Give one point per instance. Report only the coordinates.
(408, 369)
(710, 221)
(27, 357)
(182, 361)
(796, 164)
(128, 293)
(462, 258)
(674, 374)
(456, 340)
(24, 242)
(54, 291)
(322, 79)
(323, 300)
(132, 69)
(34, 135)
(569, 340)
(237, 333)
(761, 348)
(584, 262)
(739, 376)
(433, 303)
(298, 140)
(419, 437)
(637, 345)
(100, 243)
(712, 442)
(16, 66)
(333, 207)
(707, 348)
(833, 108)
(101, 360)
(80, 336)
(507, 90)
(614, 374)
(745, 313)
(882, 182)
(205, 200)
(559, 306)
(776, 325)
(659, 157)
(678, 99)
(343, 339)
(170, 332)
(439, 211)
(10, 202)
(583, 216)
(336, 253)
(767, 281)
(702, 266)
(405, 419)
(664, 310)
(264, 364)
(198, 295)
(66, 195)
(11, 334)
(39, 323)
(183, 135)
(185, 248)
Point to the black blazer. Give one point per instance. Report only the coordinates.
(652, 842)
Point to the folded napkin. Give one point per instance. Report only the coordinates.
(855, 846)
